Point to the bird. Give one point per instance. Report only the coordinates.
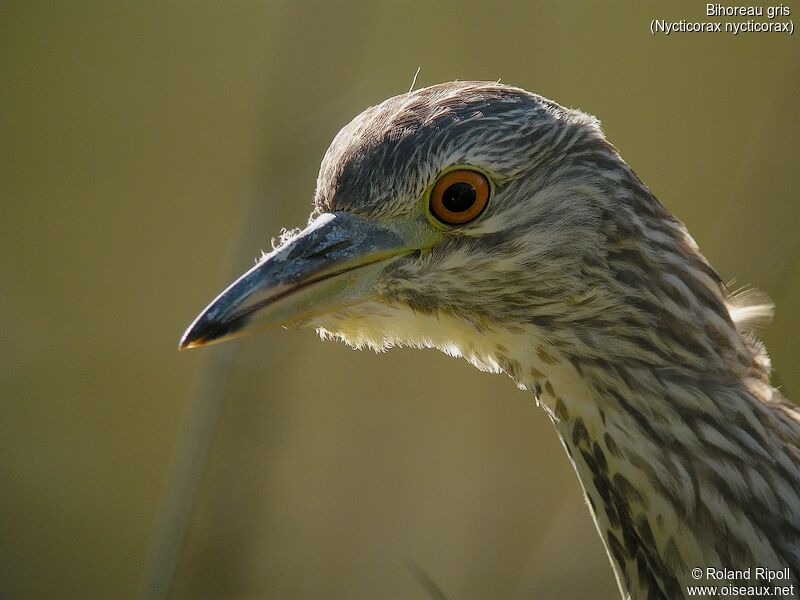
(494, 224)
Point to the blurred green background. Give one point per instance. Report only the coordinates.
(149, 150)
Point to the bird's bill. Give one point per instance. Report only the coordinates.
(332, 264)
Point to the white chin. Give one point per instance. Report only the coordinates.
(381, 326)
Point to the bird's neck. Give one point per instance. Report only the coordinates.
(680, 471)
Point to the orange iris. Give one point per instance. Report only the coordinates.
(459, 196)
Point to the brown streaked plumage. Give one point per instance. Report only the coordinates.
(576, 282)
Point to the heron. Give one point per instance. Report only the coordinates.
(496, 225)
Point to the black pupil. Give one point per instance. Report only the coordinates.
(459, 197)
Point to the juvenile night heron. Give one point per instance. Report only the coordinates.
(494, 224)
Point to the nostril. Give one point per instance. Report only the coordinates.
(329, 248)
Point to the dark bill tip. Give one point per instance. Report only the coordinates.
(206, 331)
(188, 341)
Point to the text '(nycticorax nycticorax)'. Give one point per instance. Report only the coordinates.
(494, 224)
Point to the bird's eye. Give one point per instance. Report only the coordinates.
(459, 196)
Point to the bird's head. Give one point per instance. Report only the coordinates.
(456, 216)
